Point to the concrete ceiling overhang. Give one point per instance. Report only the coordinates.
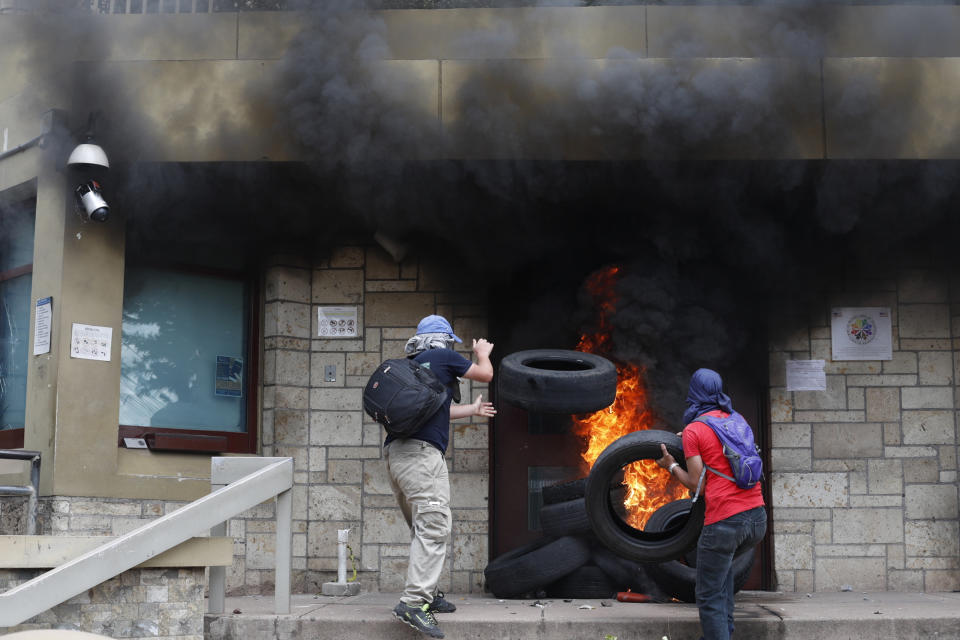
(594, 83)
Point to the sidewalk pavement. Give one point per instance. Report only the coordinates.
(759, 615)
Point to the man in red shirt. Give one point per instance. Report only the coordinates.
(735, 519)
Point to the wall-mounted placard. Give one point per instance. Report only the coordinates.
(42, 323)
(806, 375)
(90, 342)
(337, 322)
(861, 333)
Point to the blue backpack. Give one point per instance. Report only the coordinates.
(741, 451)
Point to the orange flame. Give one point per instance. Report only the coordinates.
(648, 486)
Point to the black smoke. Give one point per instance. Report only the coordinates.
(708, 248)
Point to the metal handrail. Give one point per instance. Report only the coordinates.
(271, 477)
(32, 491)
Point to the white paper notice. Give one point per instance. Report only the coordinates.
(90, 342)
(861, 333)
(337, 322)
(41, 326)
(806, 375)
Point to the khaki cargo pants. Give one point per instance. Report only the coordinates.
(418, 475)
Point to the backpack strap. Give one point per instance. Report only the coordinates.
(721, 474)
(703, 474)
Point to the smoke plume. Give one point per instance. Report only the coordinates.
(551, 166)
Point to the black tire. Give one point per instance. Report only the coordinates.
(673, 514)
(586, 582)
(625, 574)
(535, 565)
(677, 578)
(557, 381)
(670, 516)
(612, 531)
(564, 491)
(628, 575)
(564, 519)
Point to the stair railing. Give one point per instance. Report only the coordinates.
(244, 482)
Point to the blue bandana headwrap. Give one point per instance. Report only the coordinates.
(705, 394)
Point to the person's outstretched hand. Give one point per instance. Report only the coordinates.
(484, 409)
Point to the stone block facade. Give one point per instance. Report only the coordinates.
(339, 472)
(864, 474)
(160, 604)
(312, 412)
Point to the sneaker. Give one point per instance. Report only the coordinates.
(420, 618)
(441, 604)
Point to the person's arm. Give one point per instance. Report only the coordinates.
(689, 477)
(477, 408)
(482, 369)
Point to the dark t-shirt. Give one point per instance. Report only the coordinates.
(447, 365)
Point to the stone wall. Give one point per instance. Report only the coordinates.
(160, 604)
(864, 474)
(340, 476)
(78, 516)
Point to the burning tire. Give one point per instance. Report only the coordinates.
(557, 381)
(610, 528)
(535, 565)
(679, 578)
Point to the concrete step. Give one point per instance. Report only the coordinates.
(759, 616)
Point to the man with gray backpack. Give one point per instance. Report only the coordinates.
(416, 465)
(719, 440)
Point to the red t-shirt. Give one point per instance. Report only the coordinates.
(724, 498)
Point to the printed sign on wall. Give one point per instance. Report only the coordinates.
(229, 378)
(90, 342)
(806, 375)
(337, 322)
(861, 333)
(41, 326)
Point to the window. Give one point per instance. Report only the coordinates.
(187, 360)
(16, 269)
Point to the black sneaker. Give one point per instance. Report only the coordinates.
(420, 618)
(441, 604)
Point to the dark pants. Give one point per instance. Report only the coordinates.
(719, 543)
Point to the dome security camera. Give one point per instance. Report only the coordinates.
(91, 200)
(88, 155)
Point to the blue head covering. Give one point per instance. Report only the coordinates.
(705, 394)
(436, 324)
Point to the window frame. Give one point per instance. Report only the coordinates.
(207, 440)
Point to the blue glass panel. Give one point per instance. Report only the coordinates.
(14, 343)
(177, 328)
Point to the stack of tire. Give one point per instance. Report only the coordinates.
(588, 550)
